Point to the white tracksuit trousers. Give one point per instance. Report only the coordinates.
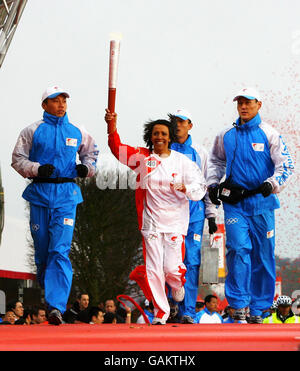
(164, 254)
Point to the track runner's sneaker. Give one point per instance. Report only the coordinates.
(158, 321)
(255, 319)
(240, 314)
(178, 295)
(55, 317)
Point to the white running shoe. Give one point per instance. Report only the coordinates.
(158, 321)
(178, 295)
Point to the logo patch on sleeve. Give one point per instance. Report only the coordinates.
(197, 237)
(270, 234)
(69, 222)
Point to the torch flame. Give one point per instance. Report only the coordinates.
(115, 36)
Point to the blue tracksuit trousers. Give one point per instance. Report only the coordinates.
(250, 257)
(52, 232)
(192, 262)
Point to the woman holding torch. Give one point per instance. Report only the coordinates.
(166, 181)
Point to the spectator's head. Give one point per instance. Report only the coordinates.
(96, 315)
(38, 315)
(199, 306)
(9, 317)
(83, 300)
(110, 306)
(17, 307)
(230, 311)
(211, 303)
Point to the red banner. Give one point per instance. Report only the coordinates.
(17, 275)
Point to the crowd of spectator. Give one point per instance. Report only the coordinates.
(81, 311)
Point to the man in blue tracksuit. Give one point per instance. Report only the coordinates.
(199, 210)
(45, 152)
(257, 165)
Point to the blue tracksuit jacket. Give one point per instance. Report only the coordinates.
(251, 154)
(55, 141)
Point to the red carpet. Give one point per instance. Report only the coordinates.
(134, 337)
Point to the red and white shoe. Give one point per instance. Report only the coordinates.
(158, 321)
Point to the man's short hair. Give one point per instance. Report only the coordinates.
(79, 295)
(208, 298)
(12, 305)
(36, 308)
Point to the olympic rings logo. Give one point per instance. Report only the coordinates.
(35, 227)
(231, 221)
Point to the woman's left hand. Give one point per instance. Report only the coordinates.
(178, 187)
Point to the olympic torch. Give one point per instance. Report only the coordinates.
(115, 40)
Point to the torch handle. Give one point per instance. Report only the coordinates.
(111, 99)
(111, 126)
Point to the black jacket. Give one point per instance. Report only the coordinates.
(75, 314)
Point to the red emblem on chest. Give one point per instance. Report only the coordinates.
(151, 163)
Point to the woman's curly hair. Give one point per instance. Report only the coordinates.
(148, 128)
